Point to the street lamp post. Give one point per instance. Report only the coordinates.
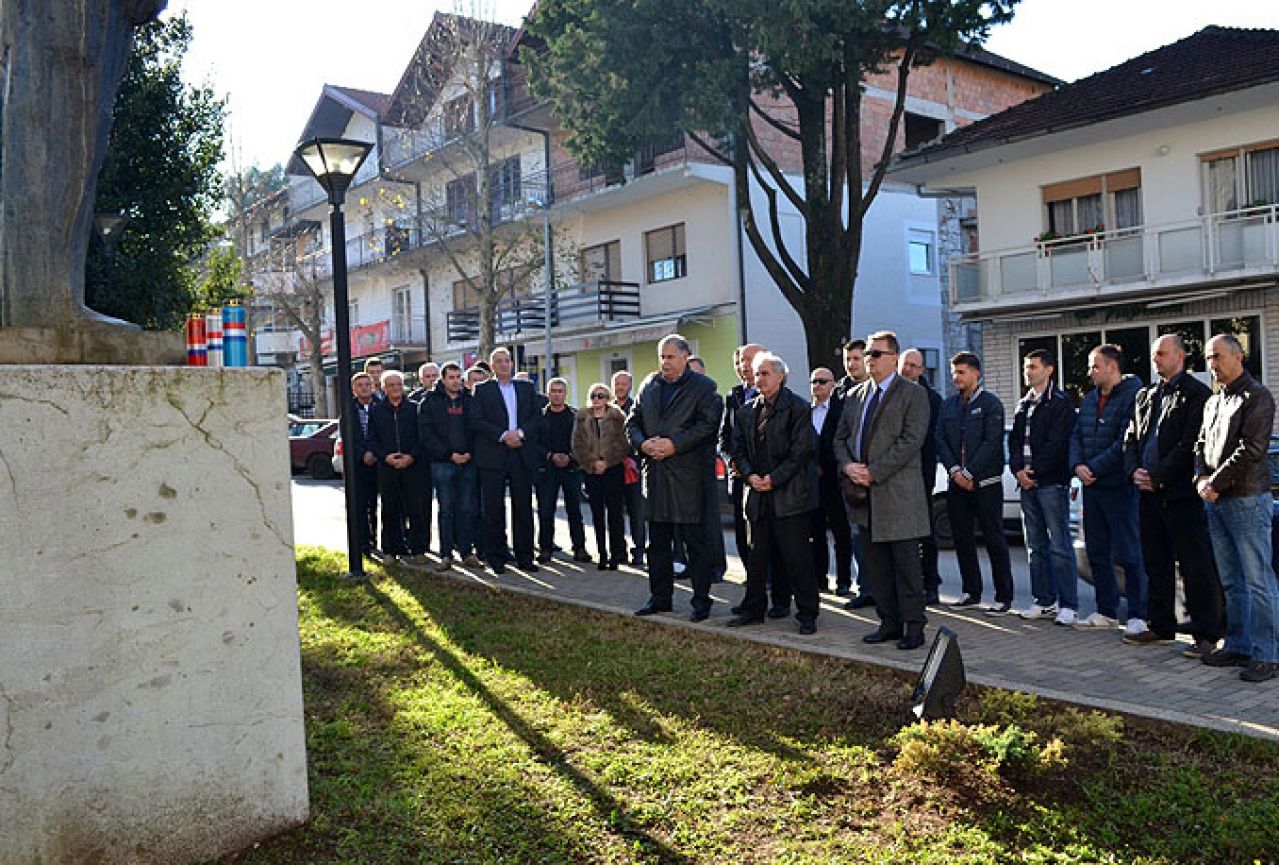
(334, 162)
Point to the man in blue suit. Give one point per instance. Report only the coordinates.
(508, 451)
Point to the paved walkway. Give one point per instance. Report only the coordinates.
(1093, 669)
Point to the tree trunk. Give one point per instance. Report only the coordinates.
(316, 362)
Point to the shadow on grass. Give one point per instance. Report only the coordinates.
(607, 808)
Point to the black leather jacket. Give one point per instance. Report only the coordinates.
(1231, 450)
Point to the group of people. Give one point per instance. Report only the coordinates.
(1174, 478)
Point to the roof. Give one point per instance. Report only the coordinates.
(374, 102)
(1215, 60)
(332, 114)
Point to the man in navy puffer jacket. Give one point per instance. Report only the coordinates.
(1110, 500)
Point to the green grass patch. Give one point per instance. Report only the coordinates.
(450, 723)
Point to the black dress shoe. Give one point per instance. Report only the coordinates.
(528, 567)
(652, 609)
(743, 619)
(911, 641)
(602, 566)
(806, 628)
(581, 556)
(860, 602)
(497, 567)
(881, 636)
(737, 611)
(778, 612)
(544, 558)
(699, 615)
(843, 591)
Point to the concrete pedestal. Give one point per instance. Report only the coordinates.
(150, 690)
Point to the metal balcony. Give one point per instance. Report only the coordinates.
(593, 303)
(1219, 248)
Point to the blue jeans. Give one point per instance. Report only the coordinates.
(457, 491)
(1240, 532)
(1045, 519)
(1113, 537)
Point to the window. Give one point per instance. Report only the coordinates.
(920, 252)
(919, 129)
(465, 296)
(504, 186)
(459, 119)
(1244, 177)
(665, 254)
(1247, 329)
(460, 200)
(353, 310)
(402, 302)
(602, 262)
(1092, 204)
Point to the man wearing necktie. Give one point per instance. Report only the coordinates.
(877, 444)
(1159, 456)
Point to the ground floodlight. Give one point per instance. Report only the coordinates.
(942, 679)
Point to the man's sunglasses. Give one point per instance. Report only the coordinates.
(878, 353)
(821, 381)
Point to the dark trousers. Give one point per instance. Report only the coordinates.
(789, 536)
(1175, 532)
(403, 522)
(892, 573)
(552, 481)
(366, 504)
(661, 567)
(737, 495)
(983, 506)
(493, 486)
(928, 543)
(606, 496)
(633, 496)
(713, 528)
(832, 517)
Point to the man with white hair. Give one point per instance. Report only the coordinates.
(775, 454)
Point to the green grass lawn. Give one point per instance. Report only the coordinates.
(450, 723)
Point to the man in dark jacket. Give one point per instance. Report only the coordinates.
(393, 432)
(362, 403)
(774, 452)
(911, 367)
(1110, 500)
(673, 424)
(1039, 458)
(1159, 457)
(738, 395)
(559, 472)
(444, 420)
(970, 445)
(831, 516)
(1232, 478)
(508, 452)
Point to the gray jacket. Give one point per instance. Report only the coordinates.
(897, 501)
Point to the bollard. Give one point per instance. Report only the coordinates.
(197, 346)
(213, 333)
(235, 339)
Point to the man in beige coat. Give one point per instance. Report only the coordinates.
(877, 445)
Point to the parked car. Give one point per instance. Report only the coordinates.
(1012, 504)
(337, 455)
(311, 444)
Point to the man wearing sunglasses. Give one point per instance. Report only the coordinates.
(881, 432)
(830, 516)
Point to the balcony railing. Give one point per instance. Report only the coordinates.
(409, 330)
(590, 303)
(1215, 247)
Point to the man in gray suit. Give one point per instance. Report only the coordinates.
(881, 432)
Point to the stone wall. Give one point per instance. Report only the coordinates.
(150, 690)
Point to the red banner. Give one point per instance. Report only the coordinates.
(366, 339)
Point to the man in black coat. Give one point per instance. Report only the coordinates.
(825, 411)
(365, 479)
(738, 395)
(673, 424)
(1159, 456)
(911, 367)
(508, 452)
(393, 432)
(774, 450)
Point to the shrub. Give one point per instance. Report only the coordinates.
(950, 749)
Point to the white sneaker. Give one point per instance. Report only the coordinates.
(1134, 627)
(1066, 617)
(1034, 611)
(1096, 622)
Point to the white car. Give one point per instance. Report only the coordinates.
(941, 517)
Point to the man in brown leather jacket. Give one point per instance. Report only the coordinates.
(1231, 477)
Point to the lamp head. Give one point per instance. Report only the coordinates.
(333, 162)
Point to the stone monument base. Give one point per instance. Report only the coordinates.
(150, 686)
(91, 342)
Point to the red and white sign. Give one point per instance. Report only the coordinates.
(366, 339)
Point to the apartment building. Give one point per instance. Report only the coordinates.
(1139, 201)
(639, 250)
